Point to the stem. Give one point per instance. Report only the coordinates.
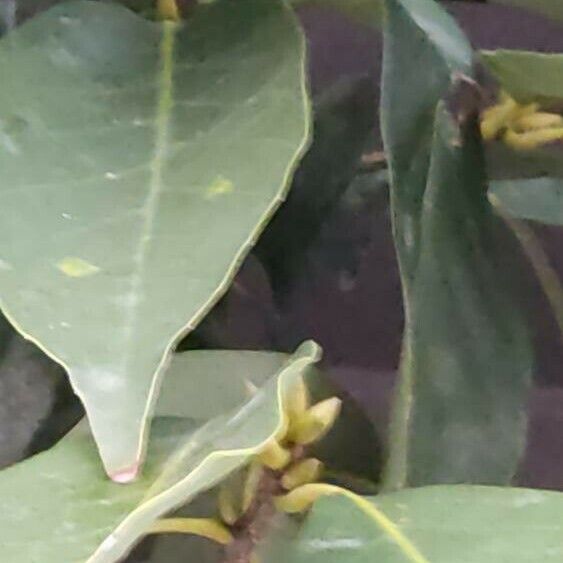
(302, 498)
(255, 523)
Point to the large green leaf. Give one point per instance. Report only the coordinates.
(59, 506)
(466, 358)
(447, 524)
(127, 200)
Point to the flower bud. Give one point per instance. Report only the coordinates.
(274, 455)
(306, 471)
(533, 139)
(226, 503)
(297, 399)
(168, 10)
(251, 484)
(301, 499)
(316, 422)
(538, 120)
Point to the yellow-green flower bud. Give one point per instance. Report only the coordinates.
(301, 499)
(250, 487)
(315, 422)
(227, 503)
(306, 471)
(533, 139)
(297, 399)
(274, 455)
(168, 10)
(538, 120)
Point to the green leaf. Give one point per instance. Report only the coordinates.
(528, 76)
(465, 366)
(539, 199)
(467, 354)
(458, 415)
(424, 43)
(124, 207)
(59, 506)
(446, 524)
(551, 8)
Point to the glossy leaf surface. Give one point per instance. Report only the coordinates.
(124, 208)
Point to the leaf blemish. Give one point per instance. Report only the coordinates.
(77, 267)
(219, 186)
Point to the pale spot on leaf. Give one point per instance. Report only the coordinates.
(219, 186)
(77, 267)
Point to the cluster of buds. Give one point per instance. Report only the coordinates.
(521, 126)
(282, 460)
(275, 475)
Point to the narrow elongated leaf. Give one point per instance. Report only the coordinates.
(59, 506)
(469, 351)
(407, 122)
(127, 200)
(447, 524)
(466, 355)
(425, 44)
(539, 199)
